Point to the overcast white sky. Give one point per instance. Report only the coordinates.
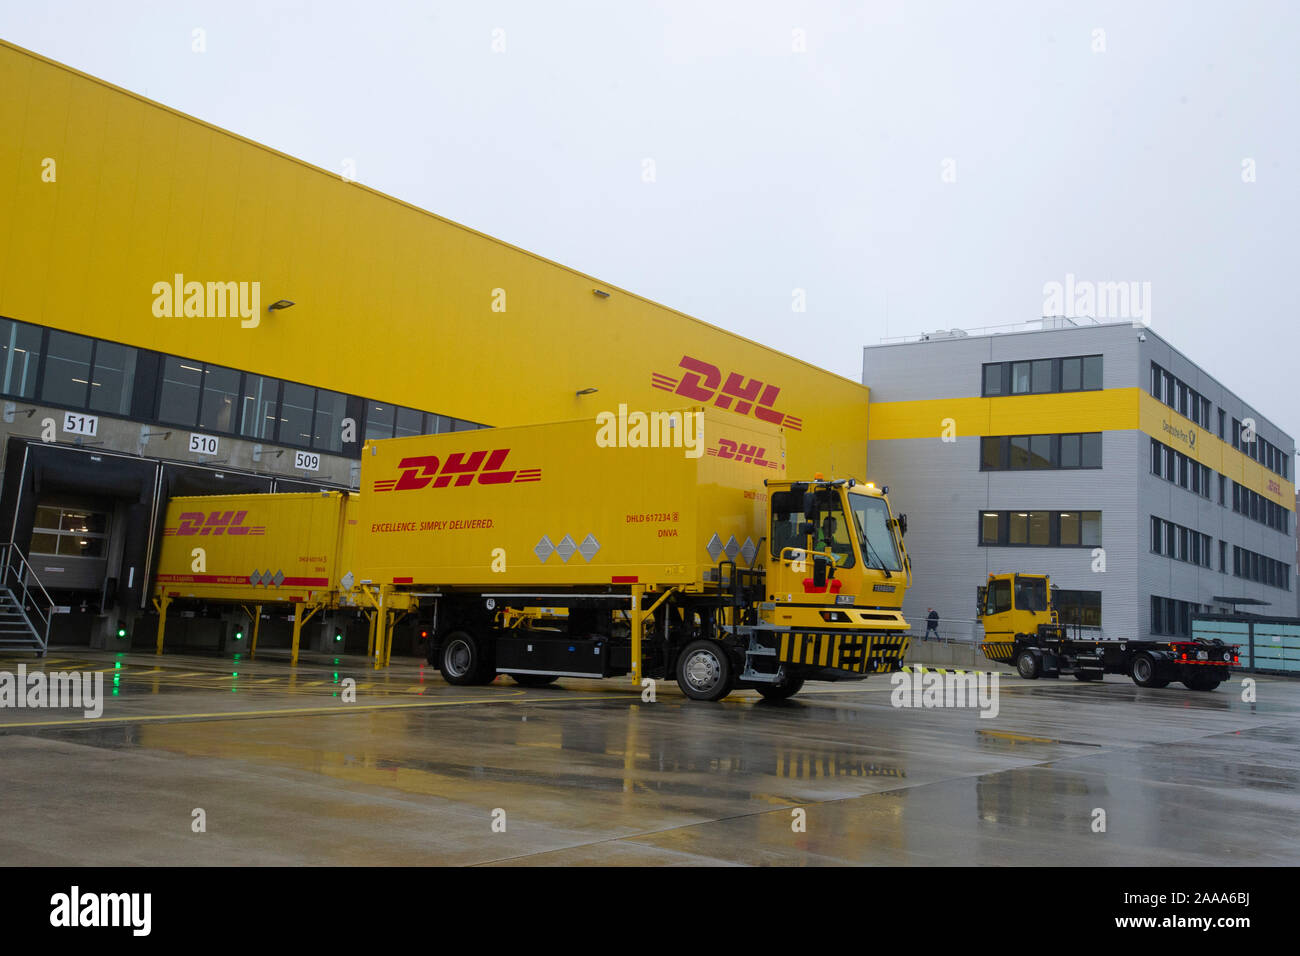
(774, 170)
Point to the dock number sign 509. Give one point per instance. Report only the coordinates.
(306, 461)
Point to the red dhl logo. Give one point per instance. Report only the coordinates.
(703, 382)
(215, 522)
(739, 451)
(460, 468)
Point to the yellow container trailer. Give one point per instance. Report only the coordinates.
(671, 544)
(255, 550)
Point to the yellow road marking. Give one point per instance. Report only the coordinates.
(337, 709)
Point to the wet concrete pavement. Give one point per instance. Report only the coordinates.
(287, 771)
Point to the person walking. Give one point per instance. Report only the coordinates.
(931, 624)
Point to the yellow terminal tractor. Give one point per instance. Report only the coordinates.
(535, 551)
(1022, 627)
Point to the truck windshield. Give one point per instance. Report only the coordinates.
(1031, 594)
(872, 517)
(830, 531)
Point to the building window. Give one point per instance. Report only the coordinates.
(1078, 608)
(1040, 529)
(409, 422)
(259, 407)
(296, 406)
(379, 420)
(66, 379)
(113, 380)
(219, 404)
(71, 532)
(327, 429)
(20, 357)
(1035, 452)
(1020, 377)
(178, 399)
(1039, 376)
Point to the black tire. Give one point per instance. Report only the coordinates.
(534, 680)
(783, 691)
(1158, 684)
(462, 661)
(704, 670)
(1201, 682)
(1087, 675)
(1028, 665)
(1143, 670)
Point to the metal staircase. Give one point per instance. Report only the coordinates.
(26, 608)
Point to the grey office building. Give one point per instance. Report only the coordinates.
(1098, 454)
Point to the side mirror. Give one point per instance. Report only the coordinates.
(810, 506)
(820, 564)
(981, 595)
(902, 525)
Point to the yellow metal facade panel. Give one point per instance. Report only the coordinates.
(392, 303)
(1182, 434)
(472, 508)
(1116, 409)
(297, 536)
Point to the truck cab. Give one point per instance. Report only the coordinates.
(1011, 605)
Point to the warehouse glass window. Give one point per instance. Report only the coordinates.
(1042, 375)
(379, 420)
(67, 369)
(258, 407)
(327, 431)
(409, 422)
(1078, 608)
(113, 380)
(1036, 452)
(72, 532)
(178, 400)
(217, 409)
(1064, 529)
(20, 356)
(1039, 376)
(296, 406)
(1040, 451)
(991, 454)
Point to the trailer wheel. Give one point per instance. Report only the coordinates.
(704, 670)
(1028, 665)
(461, 660)
(783, 691)
(534, 680)
(1143, 671)
(1200, 682)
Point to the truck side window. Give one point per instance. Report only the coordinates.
(999, 597)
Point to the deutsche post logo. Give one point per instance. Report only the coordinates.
(214, 523)
(459, 468)
(739, 451)
(703, 382)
